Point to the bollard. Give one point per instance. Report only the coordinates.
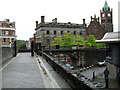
(93, 75)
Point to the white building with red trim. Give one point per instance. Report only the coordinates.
(7, 33)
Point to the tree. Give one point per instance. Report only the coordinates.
(78, 40)
(21, 44)
(68, 40)
(90, 42)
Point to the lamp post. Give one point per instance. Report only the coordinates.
(106, 73)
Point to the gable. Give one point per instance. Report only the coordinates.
(4, 24)
(95, 29)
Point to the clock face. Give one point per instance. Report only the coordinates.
(103, 15)
(109, 14)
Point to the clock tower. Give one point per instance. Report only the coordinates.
(106, 18)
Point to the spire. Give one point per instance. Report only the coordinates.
(106, 6)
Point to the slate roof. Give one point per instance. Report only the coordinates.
(60, 25)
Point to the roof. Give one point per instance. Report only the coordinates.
(106, 6)
(110, 37)
(60, 25)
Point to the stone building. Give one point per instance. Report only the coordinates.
(7, 33)
(99, 28)
(47, 31)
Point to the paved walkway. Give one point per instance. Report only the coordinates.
(22, 72)
(25, 71)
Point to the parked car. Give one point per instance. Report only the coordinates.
(101, 63)
(68, 65)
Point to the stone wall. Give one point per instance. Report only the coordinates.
(86, 56)
(92, 56)
(7, 53)
(113, 69)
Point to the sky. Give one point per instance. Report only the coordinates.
(26, 12)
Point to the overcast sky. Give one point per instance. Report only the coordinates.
(26, 12)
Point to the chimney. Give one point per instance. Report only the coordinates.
(42, 19)
(14, 24)
(7, 20)
(84, 24)
(36, 23)
(54, 20)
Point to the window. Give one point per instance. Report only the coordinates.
(4, 24)
(47, 32)
(12, 40)
(4, 39)
(61, 32)
(48, 41)
(13, 33)
(2, 32)
(6, 33)
(94, 32)
(80, 33)
(74, 32)
(55, 32)
(68, 31)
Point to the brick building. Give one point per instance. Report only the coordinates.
(95, 28)
(106, 18)
(99, 28)
(47, 31)
(7, 33)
